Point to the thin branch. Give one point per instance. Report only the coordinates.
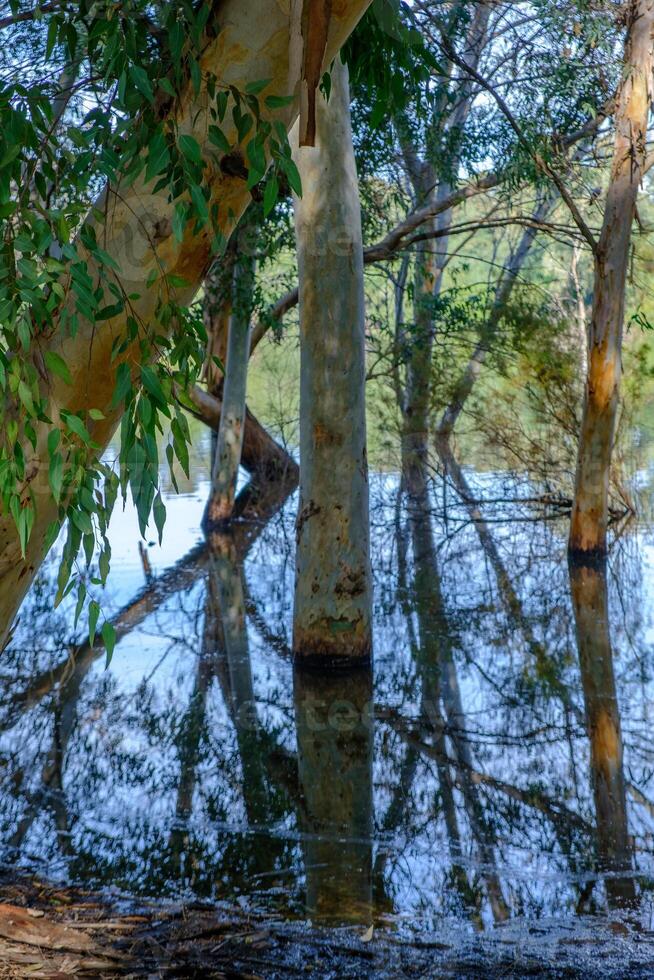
(540, 162)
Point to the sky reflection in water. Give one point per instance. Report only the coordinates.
(489, 771)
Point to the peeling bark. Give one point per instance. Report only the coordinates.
(315, 27)
(590, 509)
(249, 41)
(332, 617)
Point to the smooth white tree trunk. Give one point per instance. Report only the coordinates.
(332, 616)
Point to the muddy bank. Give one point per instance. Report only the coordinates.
(48, 931)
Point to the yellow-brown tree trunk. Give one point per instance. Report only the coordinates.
(588, 529)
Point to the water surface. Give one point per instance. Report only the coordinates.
(496, 768)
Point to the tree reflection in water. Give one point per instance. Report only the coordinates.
(497, 765)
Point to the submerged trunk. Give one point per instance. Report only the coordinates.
(590, 603)
(334, 742)
(227, 456)
(332, 616)
(590, 509)
(249, 41)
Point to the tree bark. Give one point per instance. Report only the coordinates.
(216, 313)
(590, 509)
(227, 457)
(417, 393)
(249, 41)
(589, 591)
(333, 606)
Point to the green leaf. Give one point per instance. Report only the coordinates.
(94, 614)
(51, 534)
(56, 475)
(270, 195)
(76, 426)
(159, 514)
(58, 366)
(142, 82)
(257, 157)
(293, 175)
(26, 399)
(81, 520)
(254, 88)
(109, 640)
(190, 148)
(81, 596)
(123, 384)
(199, 201)
(54, 438)
(151, 383)
(278, 101)
(218, 138)
(180, 217)
(196, 76)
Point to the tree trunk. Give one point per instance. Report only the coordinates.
(227, 456)
(417, 396)
(590, 509)
(332, 616)
(335, 751)
(249, 41)
(216, 314)
(261, 456)
(590, 603)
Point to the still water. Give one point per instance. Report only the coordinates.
(497, 766)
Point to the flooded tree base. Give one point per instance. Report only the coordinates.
(47, 931)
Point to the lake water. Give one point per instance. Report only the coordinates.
(496, 768)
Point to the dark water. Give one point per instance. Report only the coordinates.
(498, 767)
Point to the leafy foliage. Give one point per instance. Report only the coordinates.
(87, 97)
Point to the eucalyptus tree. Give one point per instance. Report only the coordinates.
(333, 601)
(111, 210)
(611, 254)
